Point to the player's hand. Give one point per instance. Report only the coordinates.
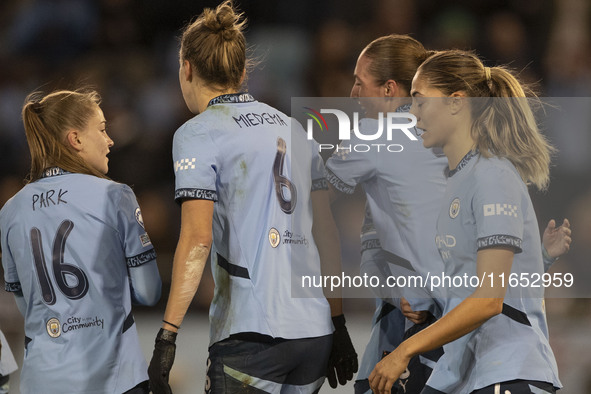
(162, 360)
(342, 363)
(387, 371)
(415, 317)
(557, 240)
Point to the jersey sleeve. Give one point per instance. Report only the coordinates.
(12, 282)
(318, 172)
(130, 224)
(346, 167)
(497, 207)
(140, 255)
(195, 164)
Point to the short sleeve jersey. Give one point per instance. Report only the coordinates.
(486, 204)
(403, 188)
(260, 169)
(68, 241)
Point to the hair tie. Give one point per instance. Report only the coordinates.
(36, 107)
(488, 77)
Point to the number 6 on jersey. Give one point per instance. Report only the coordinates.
(287, 205)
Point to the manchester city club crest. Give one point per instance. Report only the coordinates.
(454, 208)
(274, 237)
(54, 327)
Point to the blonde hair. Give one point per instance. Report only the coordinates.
(504, 128)
(395, 57)
(47, 119)
(215, 46)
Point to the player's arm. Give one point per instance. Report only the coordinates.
(188, 264)
(342, 362)
(21, 304)
(555, 242)
(485, 302)
(327, 241)
(189, 259)
(146, 286)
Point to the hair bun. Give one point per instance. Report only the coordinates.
(223, 20)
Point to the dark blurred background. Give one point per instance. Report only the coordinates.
(128, 51)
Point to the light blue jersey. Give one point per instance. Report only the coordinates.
(404, 191)
(486, 204)
(75, 245)
(259, 169)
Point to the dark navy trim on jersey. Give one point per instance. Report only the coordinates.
(370, 244)
(319, 184)
(231, 98)
(462, 163)
(27, 341)
(338, 183)
(13, 287)
(233, 269)
(361, 386)
(515, 314)
(392, 258)
(141, 258)
(53, 171)
(499, 240)
(195, 194)
(128, 323)
(384, 311)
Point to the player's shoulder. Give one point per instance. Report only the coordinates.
(98, 188)
(494, 166)
(496, 172)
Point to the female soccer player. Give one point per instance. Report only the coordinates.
(403, 190)
(248, 181)
(496, 336)
(76, 255)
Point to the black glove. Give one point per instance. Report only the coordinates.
(162, 360)
(342, 362)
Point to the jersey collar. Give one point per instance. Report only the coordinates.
(462, 162)
(231, 99)
(404, 108)
(53, 171)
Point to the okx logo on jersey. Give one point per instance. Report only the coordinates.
(346, 125)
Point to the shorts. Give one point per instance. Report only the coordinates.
(517, 387)
(254, 363)
(413, 380)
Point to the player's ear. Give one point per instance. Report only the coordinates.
(458, 101)
(391, 89)
(187, 70)
(73, 140)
